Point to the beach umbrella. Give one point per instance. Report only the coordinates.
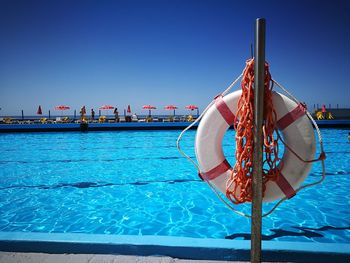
(129, 109)
(39, 111)
(171, 107)
(106, 107)
(192, 107)
(149, 108)
(62, 108)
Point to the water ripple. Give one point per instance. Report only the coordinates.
(98, 184)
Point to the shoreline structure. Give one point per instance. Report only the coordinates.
(341, 119)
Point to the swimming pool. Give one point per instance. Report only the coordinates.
(136, 183)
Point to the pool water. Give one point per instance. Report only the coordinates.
(137, 183)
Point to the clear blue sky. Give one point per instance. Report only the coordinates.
(165, 52)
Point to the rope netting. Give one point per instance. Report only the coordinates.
(239, 185)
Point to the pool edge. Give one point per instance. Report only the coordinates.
(129, 126)
(177, 247)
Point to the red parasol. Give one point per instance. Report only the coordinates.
(191, 107)
(129, 109)
(171, 107)
(149, 107)
(39, 111)
(106, 107)
(62, 108)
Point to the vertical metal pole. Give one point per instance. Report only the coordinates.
(22, 115)
(259, 77)
(49, 114)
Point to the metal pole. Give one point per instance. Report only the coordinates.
(49, 114)
(22, 115)
(259, 77)
(251, 51)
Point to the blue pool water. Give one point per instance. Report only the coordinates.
(136, 183)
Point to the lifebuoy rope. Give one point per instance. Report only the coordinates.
(243, 164)
(239, 184)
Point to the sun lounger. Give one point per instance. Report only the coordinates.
(65, 120)
(189, 118)
(134, 118)
(7, 120)
(43, 120)
(168, 120)
(102, 119)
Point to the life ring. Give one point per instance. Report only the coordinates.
(294, 125)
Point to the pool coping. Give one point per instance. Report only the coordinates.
(177, 247)
(122, 126)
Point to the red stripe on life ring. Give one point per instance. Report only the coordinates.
(285, 186)
(291, 117)
(224, 110)
(216, 171)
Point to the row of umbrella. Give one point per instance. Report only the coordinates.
(65, 107)
(168, 107)
(109, 107)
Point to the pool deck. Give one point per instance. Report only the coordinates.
(54, 127)
(173, 247)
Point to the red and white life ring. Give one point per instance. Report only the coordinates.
(296, 130)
